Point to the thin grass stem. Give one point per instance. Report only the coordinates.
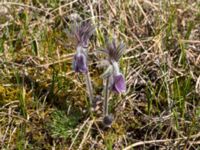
(89, 88)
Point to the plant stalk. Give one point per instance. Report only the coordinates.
(89, 88)
(105, 104)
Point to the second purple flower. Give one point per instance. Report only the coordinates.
(118, 84)
(114, 52)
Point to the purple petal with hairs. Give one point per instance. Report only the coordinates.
(119, 84)
(79, 63)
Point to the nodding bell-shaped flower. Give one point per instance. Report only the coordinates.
(117, 81)
(79, 63)
(82, 34)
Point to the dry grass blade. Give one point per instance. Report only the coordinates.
(81, 128)
(86, 134)
(160, 141)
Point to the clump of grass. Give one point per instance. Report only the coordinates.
(62, 125)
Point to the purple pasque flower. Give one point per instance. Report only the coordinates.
(114, 52)
(117, 80)
(79, 63)
(119, 84)
(82, 33)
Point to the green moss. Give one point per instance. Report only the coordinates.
(8, 94)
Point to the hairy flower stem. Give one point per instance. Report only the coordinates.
(89, 88)
(105, 104)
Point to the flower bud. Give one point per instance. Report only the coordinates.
(107, 120)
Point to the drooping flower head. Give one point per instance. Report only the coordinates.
(114, 53)
(119, 83)
(79, 63)
(81, 33)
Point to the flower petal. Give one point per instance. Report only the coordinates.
(79, 63)
(119, 84)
